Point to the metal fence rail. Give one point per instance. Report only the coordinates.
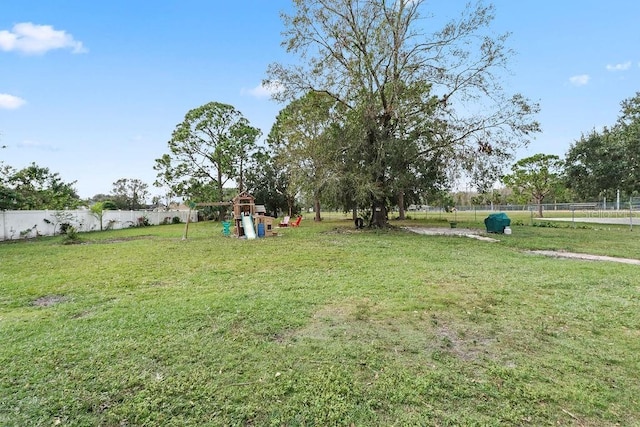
(589, 209)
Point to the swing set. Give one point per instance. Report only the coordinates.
(249, 219)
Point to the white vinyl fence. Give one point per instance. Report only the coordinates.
(28, 224)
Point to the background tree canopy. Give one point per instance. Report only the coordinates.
(35, 187)
(601, 163)
(304, 142)
(129, 194)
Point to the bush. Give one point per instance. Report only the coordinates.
(71, 236)
(176, 220)
(546, 225)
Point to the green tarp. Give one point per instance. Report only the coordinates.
(497, 222)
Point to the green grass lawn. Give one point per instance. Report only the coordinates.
(322, 325)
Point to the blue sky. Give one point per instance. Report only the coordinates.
(93, 89)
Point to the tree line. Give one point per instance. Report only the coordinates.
(378, 113)
(600, 165)
(38, 188)
(294, 169)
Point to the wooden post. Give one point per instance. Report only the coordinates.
(186, 227)
(192, 205)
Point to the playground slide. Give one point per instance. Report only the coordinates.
(247, 224)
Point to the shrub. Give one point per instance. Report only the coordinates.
(545, 224)
(176, 220)
(71, 236)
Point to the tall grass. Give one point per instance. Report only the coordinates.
(322, 325)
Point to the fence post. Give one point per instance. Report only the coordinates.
(531, 215)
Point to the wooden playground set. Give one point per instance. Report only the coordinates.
(250, 220)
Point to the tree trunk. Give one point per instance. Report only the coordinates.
(378, 201)
(220, 196)
(354, 213)
(539, 198)
(401, 213)
(316, 208)
(241, 183)
(290, 205)
(379, 217)
(378, 214)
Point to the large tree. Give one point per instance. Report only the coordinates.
(304, 140)
(210, 147)
(603, 162)
(594, 165)
(401, 86)
(628, 127)
(535, 177)
(35, 187)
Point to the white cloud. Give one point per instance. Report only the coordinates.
(579, 80)
(263, 91)
(10, 102)
(35, 145)
(37, 39)
(619, 67)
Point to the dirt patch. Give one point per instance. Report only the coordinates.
(121, 239)
(344, 230)
(441, 231)
(82, 314)
(588, 257)
(416, 333)
(49, 300)
(466, 345)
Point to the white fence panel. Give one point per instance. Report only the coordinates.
(27, 224)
